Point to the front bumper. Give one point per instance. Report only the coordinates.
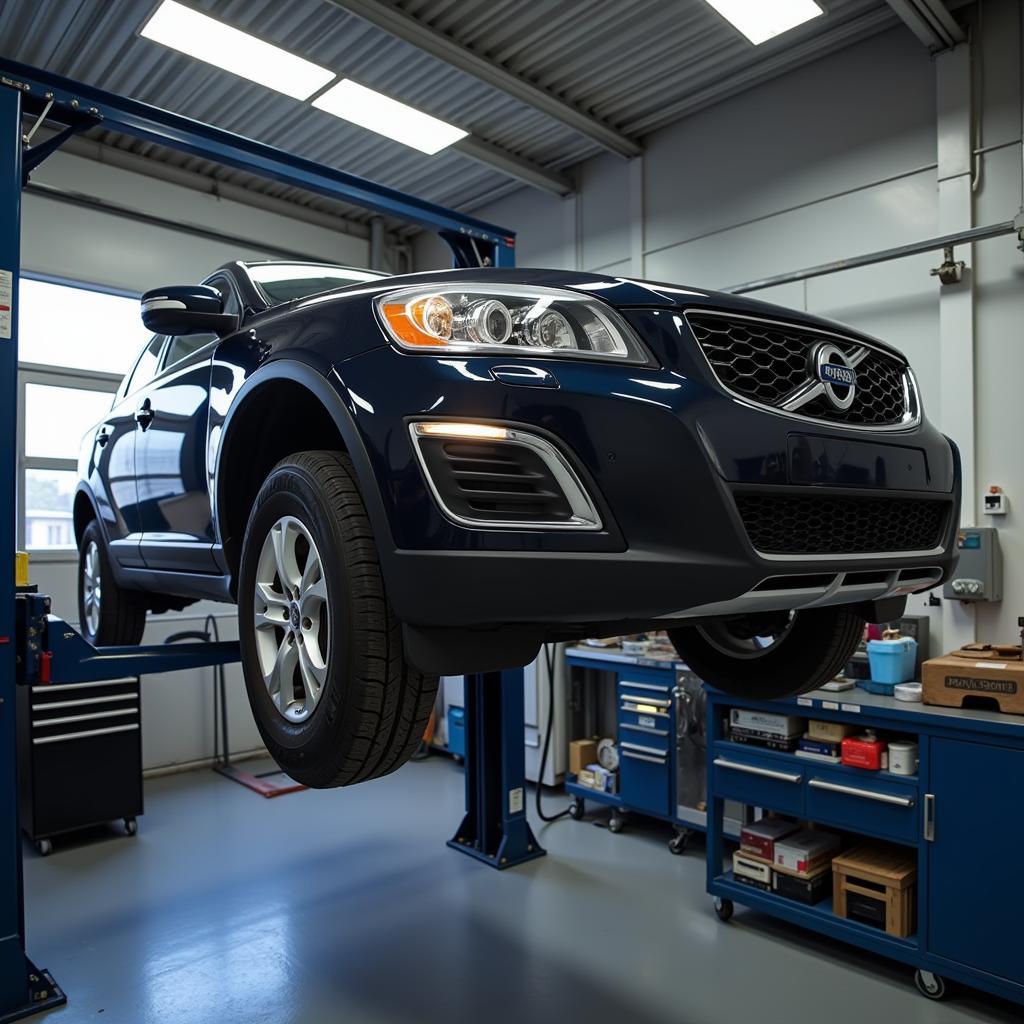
(663, 452)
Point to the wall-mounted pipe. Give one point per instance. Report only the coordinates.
(1007, 227)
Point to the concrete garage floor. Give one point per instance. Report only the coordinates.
(347, 906)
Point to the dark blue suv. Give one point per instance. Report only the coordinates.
(399, 477)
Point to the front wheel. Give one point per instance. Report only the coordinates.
(333, 696)
(773, 655)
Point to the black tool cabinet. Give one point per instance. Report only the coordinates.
(79, 757)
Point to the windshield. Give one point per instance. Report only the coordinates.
(282, 282)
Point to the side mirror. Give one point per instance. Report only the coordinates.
(186, 309)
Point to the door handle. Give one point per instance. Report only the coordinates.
(750, 769)
(102, 437)
(144, 414)
(866, 794)
(929, 817)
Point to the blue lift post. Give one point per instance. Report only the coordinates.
(493, 829)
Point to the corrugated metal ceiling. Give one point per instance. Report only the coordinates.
(635, 65)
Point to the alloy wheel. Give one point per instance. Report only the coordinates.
(92, 590)
(290, 619)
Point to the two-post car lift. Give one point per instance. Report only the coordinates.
(37, 648)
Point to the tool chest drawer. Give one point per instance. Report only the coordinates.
(870, 805)
(644, 777)
(759, 782)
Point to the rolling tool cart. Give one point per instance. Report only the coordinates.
(933, 866)
(79, 757)
(656, 713)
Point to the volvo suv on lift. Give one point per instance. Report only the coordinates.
(396, 477)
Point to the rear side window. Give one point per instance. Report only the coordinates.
(145, 368)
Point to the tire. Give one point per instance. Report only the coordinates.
(108, 616)
(809, 651)
(339, 703)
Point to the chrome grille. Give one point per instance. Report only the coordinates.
(772, 364)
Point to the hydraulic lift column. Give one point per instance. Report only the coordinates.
(23, 989)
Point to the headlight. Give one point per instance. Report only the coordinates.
(502, 318)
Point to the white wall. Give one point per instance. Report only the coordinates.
(832, 160)
(100, 248)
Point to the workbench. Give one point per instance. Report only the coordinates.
(960, 814)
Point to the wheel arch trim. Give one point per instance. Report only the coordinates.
(330, 391)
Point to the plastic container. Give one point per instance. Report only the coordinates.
(457, 731)
(892, 661)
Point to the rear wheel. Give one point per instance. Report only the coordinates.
(770, 656)
(334, 698)
(108, 616)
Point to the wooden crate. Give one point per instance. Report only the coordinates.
(883, 873)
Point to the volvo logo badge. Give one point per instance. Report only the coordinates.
(833, 369)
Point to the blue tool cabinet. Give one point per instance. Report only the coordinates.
(961, 814)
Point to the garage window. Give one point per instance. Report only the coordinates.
(75, 345)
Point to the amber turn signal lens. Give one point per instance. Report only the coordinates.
(425, 321)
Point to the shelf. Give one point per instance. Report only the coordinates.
(597, 795)
(727, 747)
(818, 916)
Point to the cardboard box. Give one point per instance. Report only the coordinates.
(581, 753)
(759, 837)
(754, 869)
(804, 852)
(828, 732)
(946, 681)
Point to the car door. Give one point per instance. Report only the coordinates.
(111, 469)
(170, 457)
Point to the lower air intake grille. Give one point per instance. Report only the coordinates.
(838, 525)
(487, 481)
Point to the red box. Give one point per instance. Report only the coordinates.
(759, 837)
(866, 751)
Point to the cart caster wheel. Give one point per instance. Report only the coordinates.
(724, 908)
(131, 826)
(45, 847)
(677, 844)
(616, 824)
(931, 986)
(577, 809)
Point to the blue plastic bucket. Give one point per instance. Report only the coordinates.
(892, 661)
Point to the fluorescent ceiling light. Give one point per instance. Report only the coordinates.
(388, 117)
(209, 40)
(761, 20)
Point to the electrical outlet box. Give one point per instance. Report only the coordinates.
(995, 503)
(979, 574)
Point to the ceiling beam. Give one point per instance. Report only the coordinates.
(514, 166)
(931, 22)
(409, 29)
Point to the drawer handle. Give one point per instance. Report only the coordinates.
(640, 748)
(639, 698)
(92, 716)
(644, 757)
(643, 728)
(750, 769)
(64, 737)
(634, 709)
(867, 794)
(82, 702)
(654, 687)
